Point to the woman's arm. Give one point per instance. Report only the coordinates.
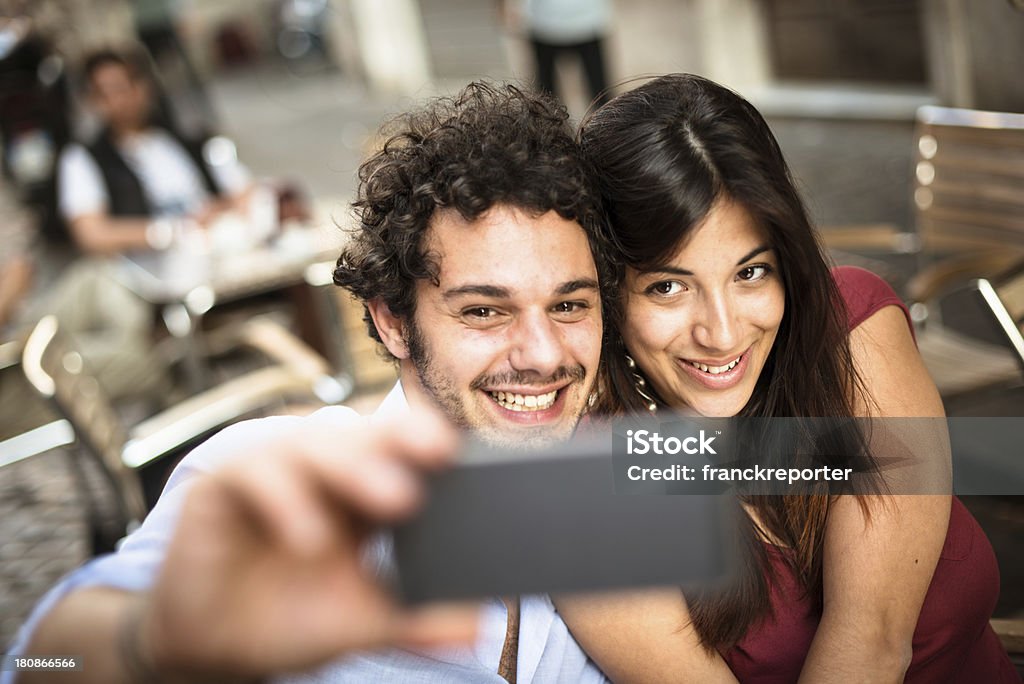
(642, 636)
(877, 571)
(876, 574)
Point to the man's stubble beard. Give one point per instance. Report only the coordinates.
(446, 396)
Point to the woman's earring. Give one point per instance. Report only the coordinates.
(640, 385)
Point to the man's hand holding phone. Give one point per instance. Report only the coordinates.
(268, 559)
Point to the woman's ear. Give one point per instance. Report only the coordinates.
(390, 328)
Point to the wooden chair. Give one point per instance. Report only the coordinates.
(1004, 300)
(968, 199)
(969, 203)
(357, 354)
(972, 339)
(1011, 634)
(58, 372)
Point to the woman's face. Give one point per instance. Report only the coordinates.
(701, 328)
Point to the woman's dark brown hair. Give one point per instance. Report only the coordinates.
(664, 153)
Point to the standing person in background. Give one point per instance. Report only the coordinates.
(575, 27)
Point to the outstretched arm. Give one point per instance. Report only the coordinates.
(265, 571)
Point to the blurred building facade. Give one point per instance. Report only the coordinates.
(964, 53)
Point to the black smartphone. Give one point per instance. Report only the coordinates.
(513, 522)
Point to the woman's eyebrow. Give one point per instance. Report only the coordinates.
(667, 270)
(675, 270)
(753, 253)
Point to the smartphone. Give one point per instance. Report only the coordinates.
(506, 522)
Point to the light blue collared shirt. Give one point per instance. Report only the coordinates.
(547, 652)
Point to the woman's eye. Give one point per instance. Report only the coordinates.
(665, 288)
(754, 273)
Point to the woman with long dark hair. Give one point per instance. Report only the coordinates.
(728, 308)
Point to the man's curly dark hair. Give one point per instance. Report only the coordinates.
(489, 145)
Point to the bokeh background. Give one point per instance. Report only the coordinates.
(301, 87)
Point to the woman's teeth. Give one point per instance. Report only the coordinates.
(524, 402)
(715, 370)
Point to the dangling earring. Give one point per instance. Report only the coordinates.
(640, 385)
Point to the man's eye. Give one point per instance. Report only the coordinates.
(666, 288)
(479, 312)
(570, 307)
(754, 273)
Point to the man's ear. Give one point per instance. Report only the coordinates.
(390, 328)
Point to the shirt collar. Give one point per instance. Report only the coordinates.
(394, 404)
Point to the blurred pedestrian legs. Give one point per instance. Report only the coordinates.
(573, 28)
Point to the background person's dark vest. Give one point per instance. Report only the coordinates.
(124, 189)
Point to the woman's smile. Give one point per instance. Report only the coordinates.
(716, 375)
(702, 326)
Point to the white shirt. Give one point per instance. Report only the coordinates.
(172, 184)
(547, 651)
(564, 22)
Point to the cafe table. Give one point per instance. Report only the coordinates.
(205, 268)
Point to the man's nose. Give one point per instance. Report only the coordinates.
(537, 345)
(716, 328)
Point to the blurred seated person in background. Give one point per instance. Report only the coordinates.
(139, 168)
(135, 187)
(17, 234)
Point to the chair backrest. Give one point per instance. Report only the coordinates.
(969, 180)
(58, 372)
(370, 370)
(352, 349)
(1004, 299)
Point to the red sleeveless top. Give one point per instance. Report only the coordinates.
(953, 641)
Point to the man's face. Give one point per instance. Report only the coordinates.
(122, 100)
(508, 344)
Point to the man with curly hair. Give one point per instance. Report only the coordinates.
(475, 259)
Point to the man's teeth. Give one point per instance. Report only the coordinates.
(715, 370)
(524, 402)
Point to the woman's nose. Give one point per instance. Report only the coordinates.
(716, 328)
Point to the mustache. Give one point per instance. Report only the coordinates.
(575, 373)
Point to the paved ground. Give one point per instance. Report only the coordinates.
(43, 529)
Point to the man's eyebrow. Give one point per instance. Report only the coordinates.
(498, 292)
(575, 285)
(492, 291)
(753, 253)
